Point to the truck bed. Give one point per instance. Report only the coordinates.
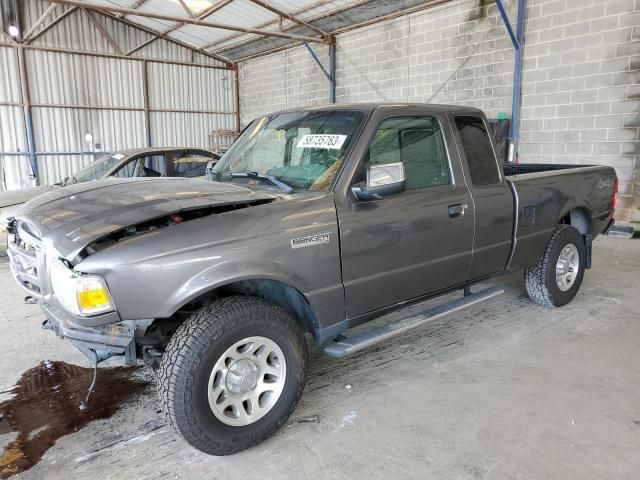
(544, 193)
(510, 169)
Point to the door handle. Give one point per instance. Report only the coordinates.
(456, 210)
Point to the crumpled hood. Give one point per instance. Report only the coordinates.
(16, 197)
(70, 218)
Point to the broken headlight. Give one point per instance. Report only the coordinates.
(80, 294)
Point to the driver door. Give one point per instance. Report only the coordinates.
(413, 243)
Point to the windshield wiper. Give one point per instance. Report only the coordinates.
(265, 178)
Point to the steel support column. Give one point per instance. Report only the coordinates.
(236, 88)
(331, 74)
(145, 94)
(517, 72)
(332, 71)
(26, 108)
(518, 40)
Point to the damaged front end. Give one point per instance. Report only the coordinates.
(99, 335)
(58, 231)
(98, 342)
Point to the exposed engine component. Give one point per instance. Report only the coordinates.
(166, 221)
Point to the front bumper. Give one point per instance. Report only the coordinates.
(99, 337)
(103, 341)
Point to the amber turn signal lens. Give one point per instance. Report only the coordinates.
(88, 299)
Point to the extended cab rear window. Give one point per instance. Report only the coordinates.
(477, 150)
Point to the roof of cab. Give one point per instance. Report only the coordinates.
(370, 107)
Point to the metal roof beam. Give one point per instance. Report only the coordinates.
(157, 34)
(104, 33)
(507, 24)
(142, 45)
(71, 51)
(267, 24)
(288, 16)
(202, 16)
(186, 9)
(214, 8)
(134, 5)
(33, 36)
(8, 37)
(39, 21)
(338, 11)
(190, 21)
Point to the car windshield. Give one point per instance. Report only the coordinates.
(96, 169)
(303, 150)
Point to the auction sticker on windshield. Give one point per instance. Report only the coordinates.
(322, 141)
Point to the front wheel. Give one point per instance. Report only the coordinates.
(232, 374)
(556, 278)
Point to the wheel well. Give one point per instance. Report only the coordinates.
(154, 341)
(279, 293)
(580, 219)
(274, 291)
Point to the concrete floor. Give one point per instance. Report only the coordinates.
(505, 390)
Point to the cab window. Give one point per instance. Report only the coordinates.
(415, 141)
(477, 150)
(191, 163)
(145, 166)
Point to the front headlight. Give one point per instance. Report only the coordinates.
(80, 294)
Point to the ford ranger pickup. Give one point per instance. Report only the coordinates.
(315, 221)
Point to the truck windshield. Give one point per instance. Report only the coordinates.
(95, 170)
(303, 150)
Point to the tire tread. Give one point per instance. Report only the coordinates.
(536, 276)
(182, 358)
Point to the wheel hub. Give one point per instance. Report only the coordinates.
(247, 381)
(567, 267)
(242, 376)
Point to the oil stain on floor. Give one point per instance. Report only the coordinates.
(46, 406)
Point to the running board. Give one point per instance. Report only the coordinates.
(350, 345)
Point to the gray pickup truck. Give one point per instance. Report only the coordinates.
(316, 220)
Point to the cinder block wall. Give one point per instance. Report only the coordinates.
(581, 93)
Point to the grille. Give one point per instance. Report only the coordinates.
(27, 260)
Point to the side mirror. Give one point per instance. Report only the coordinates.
(210, 175)
(382, 180)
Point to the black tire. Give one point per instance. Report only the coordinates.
(540, 279)
(192, 353)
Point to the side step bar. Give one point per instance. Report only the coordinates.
(363, 340)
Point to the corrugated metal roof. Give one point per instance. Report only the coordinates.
(247, 14)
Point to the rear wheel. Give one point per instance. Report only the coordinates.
(232, 374)
(556, 278)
